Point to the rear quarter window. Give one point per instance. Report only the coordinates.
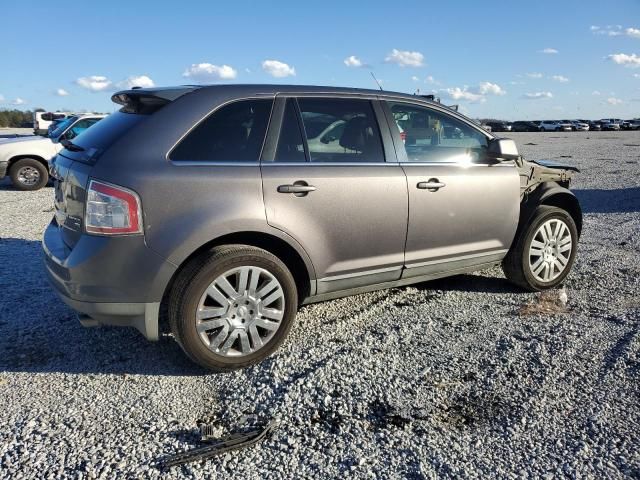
(233, 133)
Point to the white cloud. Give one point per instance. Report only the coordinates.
(61, 92)
(95, 83)
(405, 58)
(490, 88)
(559, 78)
(19, 101)
(208, 72)
(415, 79)
(136, 81)
(432, 81)
(637, 75)
(534, 75)
(1, 98)
(538, 95)
(614, 101)
(353, 61)
(616, 31)
(596, 92)
(458, 93)
(550, 51)
(278, 69)
(632, 60)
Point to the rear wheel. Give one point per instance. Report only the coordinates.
(28, 174)
(544, 252)
(233, 307)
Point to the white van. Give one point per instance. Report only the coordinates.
(42, 120)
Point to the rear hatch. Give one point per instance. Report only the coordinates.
(71, 168)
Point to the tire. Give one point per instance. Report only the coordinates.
(520, 264)
(243, 316)
(28, 174)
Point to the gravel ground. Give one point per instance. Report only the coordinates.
(442, 379)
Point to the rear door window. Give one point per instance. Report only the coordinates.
(233, 133)
(341, 130)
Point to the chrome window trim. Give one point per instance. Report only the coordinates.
(195, 163)
(457, 164)
(329, 164)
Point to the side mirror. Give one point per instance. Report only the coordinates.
(502, 150)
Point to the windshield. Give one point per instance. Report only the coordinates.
(57, 131)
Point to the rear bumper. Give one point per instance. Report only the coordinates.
(108, 281)
(142, 316)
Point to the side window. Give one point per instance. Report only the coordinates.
(432, 136)
(290, 143)
(341, 130)
(80, 127)
(234, 133)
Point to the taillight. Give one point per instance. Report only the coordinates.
(112, 210)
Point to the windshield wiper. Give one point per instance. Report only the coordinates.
(71, 146)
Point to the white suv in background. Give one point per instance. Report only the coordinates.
(42, 120)
(578, 125)
(26, 159)
(555, 126)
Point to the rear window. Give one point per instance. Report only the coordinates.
(100, 136)
(233, 133)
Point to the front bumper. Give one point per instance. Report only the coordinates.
(3, 169)
(108, 281)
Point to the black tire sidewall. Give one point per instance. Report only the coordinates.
(28, 162)
(189, 338)
(543, 214)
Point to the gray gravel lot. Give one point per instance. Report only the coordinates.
(442, 379)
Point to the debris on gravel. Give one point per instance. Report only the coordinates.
(444, 379)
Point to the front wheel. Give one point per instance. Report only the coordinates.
(28, 174)
(233, 307)
(544, 252)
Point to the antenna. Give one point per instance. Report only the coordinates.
(376, 80)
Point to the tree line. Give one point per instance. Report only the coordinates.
(17, 118)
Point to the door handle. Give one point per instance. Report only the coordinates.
(298, 189)
(433, 185)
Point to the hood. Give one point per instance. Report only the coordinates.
(30, 138)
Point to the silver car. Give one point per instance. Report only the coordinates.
(222, 209)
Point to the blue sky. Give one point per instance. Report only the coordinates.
(489, 57)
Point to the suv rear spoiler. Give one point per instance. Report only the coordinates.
(148, 100)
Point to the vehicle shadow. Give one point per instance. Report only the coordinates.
(39, 333)
(476, 283)
(6, 185)
(620, 200)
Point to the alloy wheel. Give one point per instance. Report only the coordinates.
(550, 250)
(240, 311)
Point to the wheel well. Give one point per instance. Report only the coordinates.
(569, 203)
(270, 243)
(13, 160)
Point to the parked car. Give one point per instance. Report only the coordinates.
(595, 126)
(578, 125)
(555, 126)
(210, 204)
(524, 126)
(633, 124)
(26, 159)
(610, 123)
(42, 120)
(500, 126)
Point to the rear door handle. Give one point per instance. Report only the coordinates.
(433, 185)
(299, 189)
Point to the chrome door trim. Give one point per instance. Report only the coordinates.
(359, 274)
(455, 259)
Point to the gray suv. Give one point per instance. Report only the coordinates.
(222, 209)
